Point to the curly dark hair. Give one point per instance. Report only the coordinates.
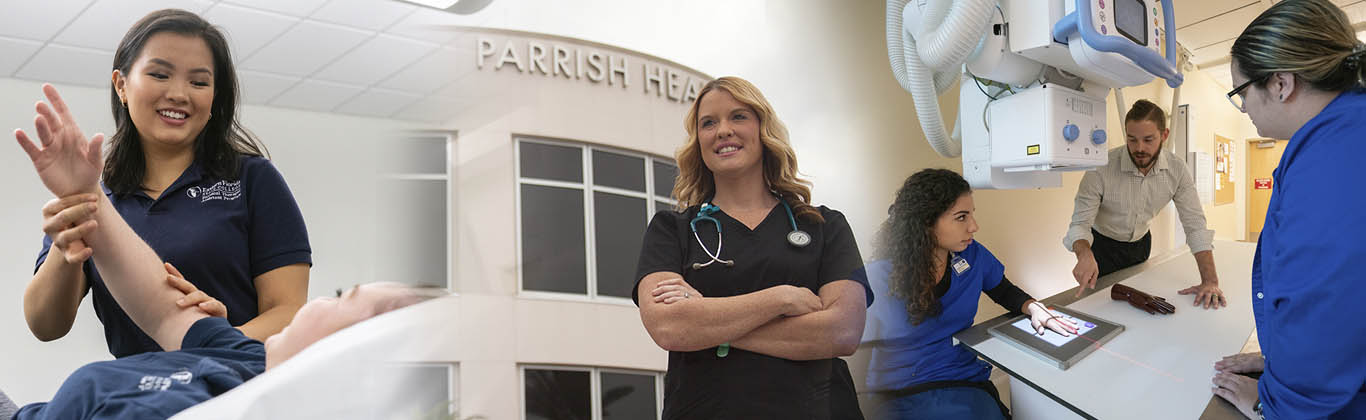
(907, 240)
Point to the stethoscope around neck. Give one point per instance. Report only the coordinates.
(797, 237)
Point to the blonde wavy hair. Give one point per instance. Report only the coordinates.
(1311, 39)
(695, 182)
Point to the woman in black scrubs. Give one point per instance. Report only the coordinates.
(748, 287)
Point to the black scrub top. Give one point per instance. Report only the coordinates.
(747, 385)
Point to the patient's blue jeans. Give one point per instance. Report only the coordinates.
(942, 403)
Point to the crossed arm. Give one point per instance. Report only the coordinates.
(781, 321)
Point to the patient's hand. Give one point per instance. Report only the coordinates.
(194, 296)
(1241, 363)
(67, 162)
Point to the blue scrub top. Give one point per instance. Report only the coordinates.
(215, 358)
(1307, 287)
(220, 234)
(906, 354)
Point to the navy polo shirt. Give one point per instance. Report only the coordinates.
(214, 358)
(220, 234)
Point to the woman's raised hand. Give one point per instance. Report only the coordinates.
(67, 162)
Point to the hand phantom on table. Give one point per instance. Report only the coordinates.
(1151, 304)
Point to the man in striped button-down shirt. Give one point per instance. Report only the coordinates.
(1116, 204)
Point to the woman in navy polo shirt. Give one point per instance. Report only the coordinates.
(192, 183)
(928, 281)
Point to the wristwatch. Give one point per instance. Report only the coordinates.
(1257, 409)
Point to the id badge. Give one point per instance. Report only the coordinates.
(960, 265)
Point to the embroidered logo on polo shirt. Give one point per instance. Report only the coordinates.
(162, 383)
(222, 190)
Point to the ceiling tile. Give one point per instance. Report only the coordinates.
(74, 65)
(316, 95)
(1191, 12)
(259, 88)
(38, 20)
(365, 14)
(431, 72)
(298, 8)
(428, 25)
(378, 58)
(1218, 29)
(14, 52)
(104, 23)
(305, 48)
(1212, 53)
(432, 109)
(1356, 12)
(378, 103)
(248, 29)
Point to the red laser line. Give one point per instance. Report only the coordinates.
(1132, 361)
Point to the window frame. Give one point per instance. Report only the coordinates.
(588, 188)
(452, 381)
(595, 385)
(448, 138)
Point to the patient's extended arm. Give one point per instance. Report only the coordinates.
(69, 164)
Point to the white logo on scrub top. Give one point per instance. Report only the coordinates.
(223, 190)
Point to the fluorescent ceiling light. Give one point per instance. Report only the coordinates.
(439, 4)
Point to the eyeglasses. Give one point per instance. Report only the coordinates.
(1236, 95)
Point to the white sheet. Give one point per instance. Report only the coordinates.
(349, 374)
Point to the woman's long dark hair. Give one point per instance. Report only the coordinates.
(907, 240)
(222, 142)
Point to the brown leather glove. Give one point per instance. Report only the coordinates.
(1140, 300)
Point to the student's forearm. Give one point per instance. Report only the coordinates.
(1205, 260)
(696, 324)
(136, 278)
(269, 322)
(53, 297)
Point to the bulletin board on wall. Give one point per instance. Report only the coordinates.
(1223, 170)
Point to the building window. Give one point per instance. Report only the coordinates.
(428, 390)
(413, 212)
(582, 211)
(559, 392)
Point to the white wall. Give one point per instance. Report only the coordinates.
(326, 159)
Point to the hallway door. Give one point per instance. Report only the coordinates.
(1262, 157)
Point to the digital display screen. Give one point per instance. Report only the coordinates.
(1131, 21)
(1052, 337)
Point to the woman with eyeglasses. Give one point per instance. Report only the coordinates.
(748, 287)
(1299, 72)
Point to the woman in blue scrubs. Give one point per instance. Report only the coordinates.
(927, 281)
(748, 287)
(191, 182)
(1298, 72)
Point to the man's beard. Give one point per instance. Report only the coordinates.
(1152, 160)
